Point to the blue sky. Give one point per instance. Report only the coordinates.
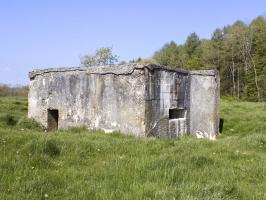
(56, 33)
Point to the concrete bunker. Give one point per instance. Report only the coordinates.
(137, 99)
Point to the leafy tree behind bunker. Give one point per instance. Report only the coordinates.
(102, 56)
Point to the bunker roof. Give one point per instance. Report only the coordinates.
(119, 69)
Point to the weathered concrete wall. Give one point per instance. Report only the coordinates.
(96, 98)
(135, 99)
(166, 89)
(204, 104)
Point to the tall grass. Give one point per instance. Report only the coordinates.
(86, 164)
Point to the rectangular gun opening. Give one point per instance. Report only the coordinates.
(176, 113)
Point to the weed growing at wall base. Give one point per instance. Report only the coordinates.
(86, 164)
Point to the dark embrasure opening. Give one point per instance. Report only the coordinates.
(176, 113)
(52, 119)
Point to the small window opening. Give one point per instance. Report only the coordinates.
(176, 113)
(221, 125)
(52, 120)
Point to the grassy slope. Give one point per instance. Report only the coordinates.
(82, 164)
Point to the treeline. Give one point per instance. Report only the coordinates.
(238, 51)
(6, 90)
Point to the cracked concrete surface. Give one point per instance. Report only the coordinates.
(132, 98)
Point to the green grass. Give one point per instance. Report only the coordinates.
(83, 164)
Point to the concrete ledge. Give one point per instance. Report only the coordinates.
(120, 69)
(204, 72)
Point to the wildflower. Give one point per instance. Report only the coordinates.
(46, 196)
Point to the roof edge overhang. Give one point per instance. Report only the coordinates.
(119, 69)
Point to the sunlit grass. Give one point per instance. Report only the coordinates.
(85, 164)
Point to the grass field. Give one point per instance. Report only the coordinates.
(83, 164)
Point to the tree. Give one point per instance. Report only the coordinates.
(102, 56)
(258, 55)
(216, 50)
(192, 44)
(234, 59)
(167, 55)
(192, 53)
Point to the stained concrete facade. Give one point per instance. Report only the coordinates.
(142, 100)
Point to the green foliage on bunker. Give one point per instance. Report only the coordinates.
(87, 164)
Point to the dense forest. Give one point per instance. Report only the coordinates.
(238, 51)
